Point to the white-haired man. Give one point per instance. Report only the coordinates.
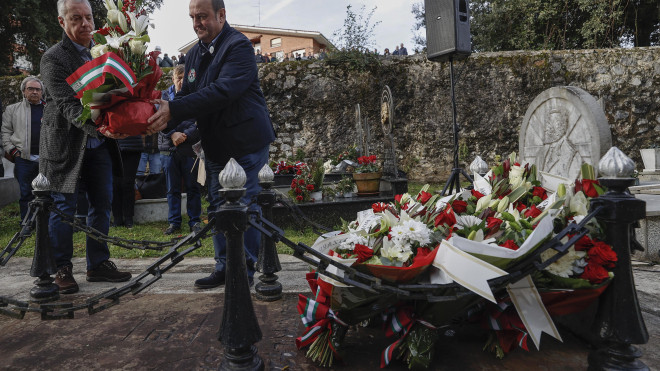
(21, 124)
(74, 153)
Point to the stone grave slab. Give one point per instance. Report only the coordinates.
(563, 128)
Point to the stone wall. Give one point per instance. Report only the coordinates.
(313, 105)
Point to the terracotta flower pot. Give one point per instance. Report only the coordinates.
(367, 183)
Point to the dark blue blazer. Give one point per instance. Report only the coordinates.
(221, 92)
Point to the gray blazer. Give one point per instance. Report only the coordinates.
(63, 139)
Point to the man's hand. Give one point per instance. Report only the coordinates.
(11, 155)
(159, 119)
(105, 132)
(178, 138)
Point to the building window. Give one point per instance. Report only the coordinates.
(276, 42)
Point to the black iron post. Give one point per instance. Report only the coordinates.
(619, 322)
(269, 289)
(43, 263)
(239, 330)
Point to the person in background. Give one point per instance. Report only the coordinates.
(258, 57)
(403, 50)
(166, 62)
(123, 188)
(74, 153)
(182, 58)
(179, 163)
(159, 59)
(396, 51)
(322, 54)
(386, 52)
(21, 126)
(225, 98)
(174, 60)
(150, 157)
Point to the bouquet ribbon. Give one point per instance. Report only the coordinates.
(91, 75)
(316, 317)
(400, 321)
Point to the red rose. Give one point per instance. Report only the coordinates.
(298, 191)
(299, 198)
(310, 187)
(446, 217)
(493, 224)
(294, 184)
(602, 254)
(509, 244)
(594, 273)
(539, 191)
(301, 181)
(588, 187)
(584, 243)
(532, 212)
(397, 198)
(459, 206)
(520, 206)
(477, 194)
(363, 252)
(299, 172)
(379, 207)
(424, 197)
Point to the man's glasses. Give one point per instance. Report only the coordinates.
(30, 89)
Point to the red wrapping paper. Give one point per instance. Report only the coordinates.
(128, 113)
(402, 274)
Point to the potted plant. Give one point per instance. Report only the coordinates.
(301, 185)
(345, 187)
(367, 175)
(317, 175)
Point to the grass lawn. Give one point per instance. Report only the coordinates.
(10, 220)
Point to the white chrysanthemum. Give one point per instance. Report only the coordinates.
(564, 266)
(467, 221)
(411, 231)
(351, 240)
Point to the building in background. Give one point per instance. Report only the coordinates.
(279, 41)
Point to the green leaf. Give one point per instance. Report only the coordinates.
(588, 171)
(99, 38)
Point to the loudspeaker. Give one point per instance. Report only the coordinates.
(447, 29)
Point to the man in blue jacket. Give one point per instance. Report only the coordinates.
(221, 91)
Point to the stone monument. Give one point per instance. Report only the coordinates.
(563, 128)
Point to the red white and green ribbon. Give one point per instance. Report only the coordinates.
(92, 74)
(317, 318)
(400, 322)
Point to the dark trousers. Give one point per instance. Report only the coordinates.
(25, 171)
(182, 169)
(96, 176)
(123, 189)
(251, 163)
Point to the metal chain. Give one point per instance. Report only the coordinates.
(27, 226)
(117, 241)
(50, 311)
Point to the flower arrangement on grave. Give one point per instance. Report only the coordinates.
(367, 164)
(345, 186)
(284, 168)
(301, 185)
(367, 175)
(117, 86)
(350, 154)
(318, 175)
(465, 238)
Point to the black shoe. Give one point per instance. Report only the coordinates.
(196, 228)
(128, 222)
(217, 278)
(172, 228)
(108, 272)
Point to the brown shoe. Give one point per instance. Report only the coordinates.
(64, 279)
(107, 271)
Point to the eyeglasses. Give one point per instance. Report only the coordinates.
(31, 89)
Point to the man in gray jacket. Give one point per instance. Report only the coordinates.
(21, 124)
(74, 152)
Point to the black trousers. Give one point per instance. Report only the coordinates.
(123, 189)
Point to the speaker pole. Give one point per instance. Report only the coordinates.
(454, 181)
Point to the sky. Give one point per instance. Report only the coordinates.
(173, 27)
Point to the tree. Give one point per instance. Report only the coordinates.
(419, 13)
(29, 27)
(558, 24)
(358, 31)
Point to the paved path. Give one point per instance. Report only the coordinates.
(173, 326)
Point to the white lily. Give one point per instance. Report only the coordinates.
(113, 16)
(122, 22)
(140, 24)
(515, 174)
(110, 5)
(579, 204)
(483, 202)
(116, 42)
